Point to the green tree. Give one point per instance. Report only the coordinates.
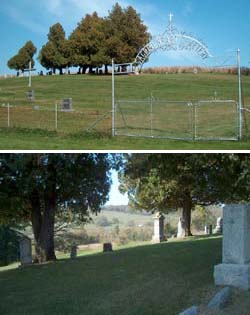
(125, 34)
(167, 182)
(87, 42)
(36, 188)
(55, 54)
(24, 56)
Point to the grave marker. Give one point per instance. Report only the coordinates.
(235, 267)
(25, 251)
(66, 105)
(158, 236)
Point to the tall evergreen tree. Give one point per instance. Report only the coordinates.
(87, 42)
(125, 34)
(55, 54)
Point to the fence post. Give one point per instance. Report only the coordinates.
(113, 98)
(240, 96)
(151, 115)
(56, 116)
(8, 117)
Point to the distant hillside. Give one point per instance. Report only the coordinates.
(125, 209)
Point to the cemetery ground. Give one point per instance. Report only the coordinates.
(32, 123)
(151, 279)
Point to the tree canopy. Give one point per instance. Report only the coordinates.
(24, 56)
(93, 43)
(55, 54)
(37, 188)
(167, 182)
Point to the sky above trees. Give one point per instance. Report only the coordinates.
(222, 25)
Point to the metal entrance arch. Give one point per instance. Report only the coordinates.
(171, 39)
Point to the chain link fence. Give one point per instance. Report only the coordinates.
(196, 120)
(53, 118)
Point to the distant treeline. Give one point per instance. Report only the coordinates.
(194, 69)
(91, 45)
(124, 209)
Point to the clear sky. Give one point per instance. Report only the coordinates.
(222, 24)
(115, 197)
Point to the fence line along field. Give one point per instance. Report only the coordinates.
(91, 97)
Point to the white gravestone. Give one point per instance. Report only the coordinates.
(235, 267)
(181, 230)
(158, 236)
(219, 226)
(25, 251)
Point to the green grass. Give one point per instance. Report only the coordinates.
(154, 279)
(34, 129)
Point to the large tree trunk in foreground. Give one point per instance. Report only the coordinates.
(186, 215)
(43, 205)
(43, 229)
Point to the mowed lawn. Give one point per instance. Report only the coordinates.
(32, 123)
(153, 279)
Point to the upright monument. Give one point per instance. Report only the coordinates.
(235, 267)
(158, 236)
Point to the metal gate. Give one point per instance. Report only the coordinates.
(184, 120)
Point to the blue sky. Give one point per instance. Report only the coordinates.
(115, 197)
(223, 25)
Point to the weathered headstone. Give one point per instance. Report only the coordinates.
(210, 229)
(73, 252)
(235, 267)
(66, 105)
(107, 247)
(181, 231)
(31, 95)
(158, 236)
(206, 230)
(25, 251)
(219, 226)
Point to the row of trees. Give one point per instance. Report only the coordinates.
(93, 43)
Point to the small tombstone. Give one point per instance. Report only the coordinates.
(73, 252)
(25, 251)
(158, 236)
(31, 95)
(218, 228)
(66, 105)
(107, 247)
(206, 230)
(210, 229)
(181, 231)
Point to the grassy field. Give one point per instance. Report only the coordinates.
(153, 279)
(32, 124)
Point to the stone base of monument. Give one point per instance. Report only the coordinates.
(234, 275)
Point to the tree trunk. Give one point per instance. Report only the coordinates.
(106, 69)
(186, 215)
(43, 228)
(43, 217)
